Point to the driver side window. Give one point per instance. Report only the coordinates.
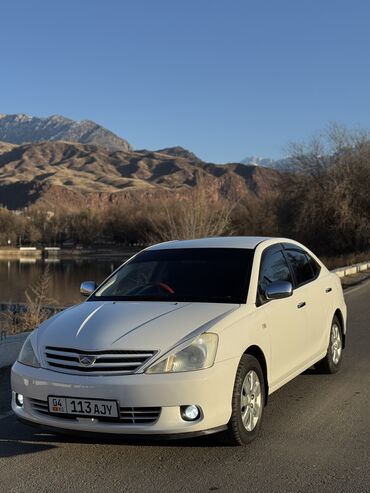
(133, 276)
(274, 267)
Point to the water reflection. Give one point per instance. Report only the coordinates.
(66, 275)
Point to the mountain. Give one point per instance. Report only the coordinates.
(6, 146)
(267, 162)
(179, 151)
(20, 129)
(258, 161)
(72, 176)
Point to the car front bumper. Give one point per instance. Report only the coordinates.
(210, 389)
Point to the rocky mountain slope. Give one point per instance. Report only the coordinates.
(73, 175)
(179, 151)
(20, 129)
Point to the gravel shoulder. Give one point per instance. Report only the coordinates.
(354, 279)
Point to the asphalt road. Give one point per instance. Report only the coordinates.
(315, 437)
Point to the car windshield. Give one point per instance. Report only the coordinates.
(218, 275)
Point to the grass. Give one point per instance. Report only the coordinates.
(37, 308)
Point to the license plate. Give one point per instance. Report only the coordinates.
(96, 408)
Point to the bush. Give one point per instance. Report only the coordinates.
(193, 216)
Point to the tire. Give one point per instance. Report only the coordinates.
(333, 359)
(248, 402)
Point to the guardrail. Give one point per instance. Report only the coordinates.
(352, 269)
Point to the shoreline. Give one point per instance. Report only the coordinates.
(65, 253)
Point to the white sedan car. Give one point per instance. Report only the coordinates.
(185, 338)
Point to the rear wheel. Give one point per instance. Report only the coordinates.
(247, 402)
(333, 359)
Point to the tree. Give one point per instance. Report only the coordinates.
(193, 216)
(324, 197)
(11, 226)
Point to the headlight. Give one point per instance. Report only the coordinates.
(197, 355)
(27, 355)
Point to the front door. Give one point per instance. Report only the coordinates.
(285, 319)
(314, 290)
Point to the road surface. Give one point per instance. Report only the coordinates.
(315, 437)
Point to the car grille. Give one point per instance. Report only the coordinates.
(139, 415)
(128, 415)
(39, 406)
(106, 362)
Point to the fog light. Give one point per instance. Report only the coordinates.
(19, 400)
(190, 413)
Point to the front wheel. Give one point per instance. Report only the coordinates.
(247, 402)
(332, 361)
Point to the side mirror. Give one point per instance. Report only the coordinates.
(88, 287)
(279, 289)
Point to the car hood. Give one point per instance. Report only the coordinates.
(125, 325)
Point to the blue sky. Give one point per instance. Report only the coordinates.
(224, 78)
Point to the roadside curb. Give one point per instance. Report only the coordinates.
(10, 347)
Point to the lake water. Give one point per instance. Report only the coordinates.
(66, 276)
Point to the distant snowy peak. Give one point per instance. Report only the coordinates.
(21, 129)
(267, 162)
(258, 161)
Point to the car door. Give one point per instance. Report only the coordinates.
(284, 319)
(311, 289)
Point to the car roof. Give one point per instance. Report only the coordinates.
(215, 242)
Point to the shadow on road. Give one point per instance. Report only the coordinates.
(22, 437)
(5, 392)
(18, 440)
(10, 448)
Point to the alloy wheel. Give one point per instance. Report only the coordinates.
(251, 400)
(336, 343)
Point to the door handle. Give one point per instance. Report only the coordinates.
(301, 304)
(327, 290)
